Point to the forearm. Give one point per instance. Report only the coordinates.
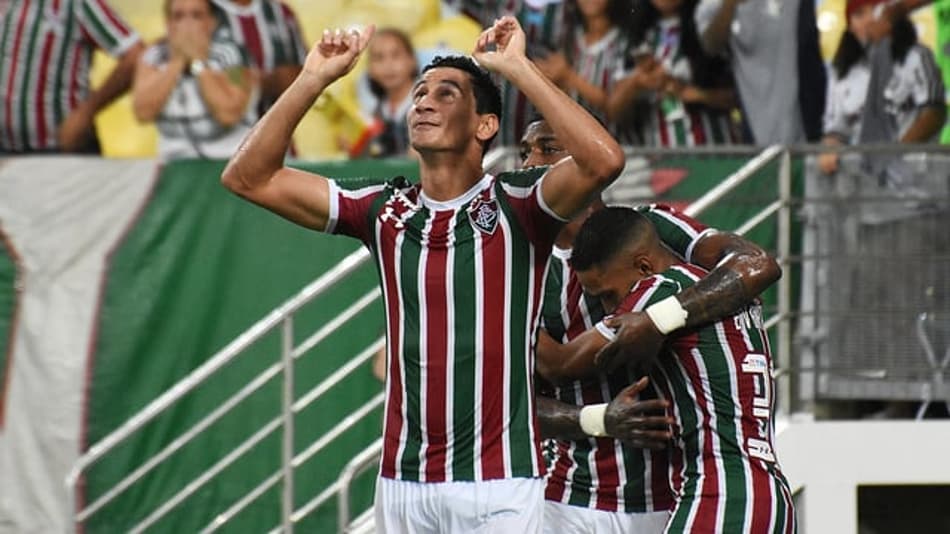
(225, 93)
(721, 99)
(559, 363)
(119, 80)
(152, 88)
(593, 95)
(728, 288)
(593, 149)
(263, 150)
(716, 37)
(622, 95)
(557, 419)
(928, 122)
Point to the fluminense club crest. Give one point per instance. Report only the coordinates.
(483, 215)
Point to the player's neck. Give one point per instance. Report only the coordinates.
(446, 176)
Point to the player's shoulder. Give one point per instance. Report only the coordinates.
(522, 177)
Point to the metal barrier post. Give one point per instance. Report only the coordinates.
(785, 283)
(287, 453)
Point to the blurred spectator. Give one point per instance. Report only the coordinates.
(912, 92)
(543, 23)
(595, 46)
(195, 85)
(773, 48)
(680, 95)
(269, 33)
(45, 55)
(391, 72)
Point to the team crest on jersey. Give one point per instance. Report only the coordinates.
(483, 215)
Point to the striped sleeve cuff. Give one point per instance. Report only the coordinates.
(605, 330)
(334, 212)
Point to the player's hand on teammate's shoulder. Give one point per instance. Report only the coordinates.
(642, 423)
(636, 343)
(501, 47)
(336, 53)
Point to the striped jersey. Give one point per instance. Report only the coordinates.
(718, 380)
(462, 285)
(267, 30)
(185, 125)
(600, 63)
(46, 51)
(604, 473)
(543, 23)
(668, 122)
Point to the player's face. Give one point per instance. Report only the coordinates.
(442, 116)
(540, 146)
(610, 282)
(391, 64)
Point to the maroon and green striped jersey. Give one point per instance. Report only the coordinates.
(462, 284)
(46, 51)
(604, 473)
(267, 30)
(718, 380)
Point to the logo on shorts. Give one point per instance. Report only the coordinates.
(484, 215)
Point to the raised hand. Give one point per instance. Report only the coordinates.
(638, 422)
(638, 341)
(509, 41)
(336, 53)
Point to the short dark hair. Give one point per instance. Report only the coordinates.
(487, 93)
(605, 233)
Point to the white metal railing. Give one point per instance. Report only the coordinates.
(283, 317)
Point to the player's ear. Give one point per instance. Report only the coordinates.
(644, 265)
(487, 126)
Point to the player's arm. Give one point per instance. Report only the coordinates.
(739, 270)
(560, 363)
(625, 418)
(595, 157)
(257, 172)
(715, 36)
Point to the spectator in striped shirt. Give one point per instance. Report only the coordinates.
(676, 93)
(461, 258)
(912, 97)
(195, 86)
(717, 379)
(593, 53)
(268, 31)
(46, 52)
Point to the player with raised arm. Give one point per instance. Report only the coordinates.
(461, 258)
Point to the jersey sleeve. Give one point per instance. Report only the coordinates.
(104, 27)
(648, 291)
(350, 206)
(927, 89)
(677, 230)
(537, 219)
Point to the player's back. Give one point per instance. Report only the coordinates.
(718, 380)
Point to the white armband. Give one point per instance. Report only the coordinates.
(668, 315)
(592, 420)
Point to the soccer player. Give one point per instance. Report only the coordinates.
(461, 259)
(717, 378)
(598, 484)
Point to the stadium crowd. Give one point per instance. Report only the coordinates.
(658, 73)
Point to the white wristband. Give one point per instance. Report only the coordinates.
(668, 315)
(592, 420)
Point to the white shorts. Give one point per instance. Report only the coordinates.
(566, 519)
(492, 506)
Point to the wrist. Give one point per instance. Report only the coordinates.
(196, 66)
(519, 70)
(592, 420)
(667, 315)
